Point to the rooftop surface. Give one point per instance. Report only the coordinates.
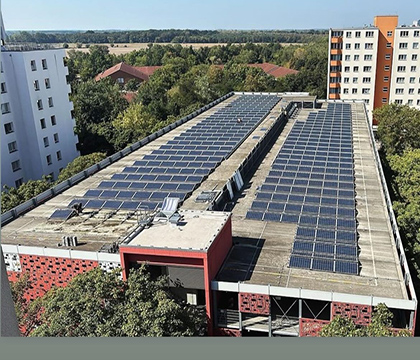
(262, 248)
(184, 235)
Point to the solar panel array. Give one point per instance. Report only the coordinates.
(311, 183)
(180, 165)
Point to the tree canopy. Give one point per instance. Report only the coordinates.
(98, 303)
(79, 164)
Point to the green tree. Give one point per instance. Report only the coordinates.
(96, 105)
(102, 304)
(379, 326)
(79, 164)
(12, 197)
(398, 128)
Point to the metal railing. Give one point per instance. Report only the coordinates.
(228, 318)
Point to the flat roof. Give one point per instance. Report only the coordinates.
(184, 235)
(262, 248)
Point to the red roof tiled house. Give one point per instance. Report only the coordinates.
(274, 70)
(122, 73)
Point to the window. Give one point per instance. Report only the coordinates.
(47, 83)
(367, 101)
(387, 56)
(332, 69)
(402, 57)
(43, 125)
(8, 128)
(415, 45)
(355, 68)
(386, 78)
(345, 91)
(400, 80)
(36, 85)
(410, 102)
(39, 104)
(44, 64)
(337, 33)
(385, 89)
(401, 68)
(346, 80)
(18, 182)
(49, 161)
(336, 57)
(56, 140)
(120, 80)
(367, 68)
(347, 58)
(46, 142)
(389, 33)
(348, 46)
(356, 57)
(365, 91)
(399, 91)
(414, 57)
(413, 68)
(357, 34)
(368, 57)
(348, 34)
(53, 120)
(3, 88)
(403, 33)
(412, 80)
(1, 66)
(33, 65)
(418, 102)
(50, 102)
(369, 33)
(346, 68)
(366, 80)
(12, 147)
(403, 45)
(354, 91)
(383, 100)
(335, 80)
(416, 33)
(368, 46)
(16, 165)
(58, 155)
(357, 46)
(410, 91)
(355, 80)
(399, 102)
(5, 108)
(388, 45)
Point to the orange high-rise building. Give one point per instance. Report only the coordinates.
(376, 63)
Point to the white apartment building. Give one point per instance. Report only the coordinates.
(378, 64)
(406, 66)
(37, 136)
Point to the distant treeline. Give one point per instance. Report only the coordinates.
(170, 36)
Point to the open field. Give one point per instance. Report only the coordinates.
(125, 48)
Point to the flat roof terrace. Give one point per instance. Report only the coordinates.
(262, 249)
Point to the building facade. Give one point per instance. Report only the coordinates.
(37, 136)
(375, 64)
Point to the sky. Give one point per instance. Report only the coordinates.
(199, 14)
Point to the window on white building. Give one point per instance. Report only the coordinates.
(366, 80)
(413, 69)
(53, 120)
(46, 142)
(3, 88)
(403, 33)
(399, 101)
(348, 47)
(56, 139)
(345, 91)
(49, 160)
(357, 34)
(400, 80)
(39, 104)
(47, 83)
(399, 91)
(347, 58)
(416, 33)
(354, 91)
(5, 108)
(33, 65)
(44, 64)
(348, 34)
(367, 68)
(365, 91)
(355, 68)
(36, 85)
(402, 57)
(346, 80)
(368, 46)
(401, 68)
(368, 57)
(410, 102)
(357, 46)
(369, 33)
(8, 128)
(58, 155)
(12, 147)
(355, 80)
(50, 102)
(410, 91)
(415, 45)
(16, 165)
(356, 57)
(18, 183)
(42, 122)
(412, 80)
(414, 57)
(403, 45)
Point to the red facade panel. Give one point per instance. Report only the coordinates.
(254, 303)
(360, 314)
(227, 332)
(311, 327)
(46, 272)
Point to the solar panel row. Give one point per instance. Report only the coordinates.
(176, 168)
(312, 184)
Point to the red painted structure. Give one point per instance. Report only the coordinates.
(46, 271)
(254, 303)
(210, 261)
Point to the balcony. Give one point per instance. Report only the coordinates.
(335, 85)
(336, 51)
(335, 62)
(334, 96)
(336, 39)
(335, 74)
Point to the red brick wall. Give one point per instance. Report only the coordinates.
(46, 272)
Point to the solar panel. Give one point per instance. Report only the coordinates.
(62, 214)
